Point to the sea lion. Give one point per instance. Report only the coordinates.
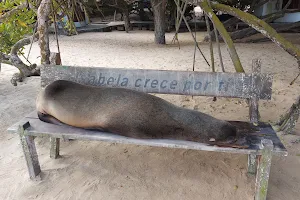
(126, 112)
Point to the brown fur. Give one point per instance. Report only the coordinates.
(126, 112)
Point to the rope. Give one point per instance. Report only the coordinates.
(55, 27)
(194, 61)
(189, 28)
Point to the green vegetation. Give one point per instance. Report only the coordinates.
(17, 21)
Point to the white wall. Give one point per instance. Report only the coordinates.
(268, 8)
(289, 17)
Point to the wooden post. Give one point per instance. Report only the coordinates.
(54, 147)
(263, 173)
(252, 164)
(253, 110)
(253, 101)
(30, 153)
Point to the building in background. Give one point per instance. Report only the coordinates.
(292, 15)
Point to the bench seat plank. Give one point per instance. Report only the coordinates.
(251, 137)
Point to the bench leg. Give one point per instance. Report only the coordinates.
(252, 164)
(54, 147)
(263, 171)
(30, 154)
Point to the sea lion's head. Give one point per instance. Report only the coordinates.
(223, 132)
(229, 131)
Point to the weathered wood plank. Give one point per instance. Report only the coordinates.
(30, 154)
(163, 81)
(263, 173)
(251, 139)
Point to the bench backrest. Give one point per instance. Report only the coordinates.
(235, 85)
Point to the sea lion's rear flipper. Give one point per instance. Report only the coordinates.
(49, 119)
(52, 120)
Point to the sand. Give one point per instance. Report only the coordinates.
(98, 170)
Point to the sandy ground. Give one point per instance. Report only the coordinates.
(98, 170)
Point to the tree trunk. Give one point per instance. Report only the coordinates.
(288, 122)
(43, 14)
(13, 59)
(126, 20)
(159, 8)
(244, 33)
(16, 61)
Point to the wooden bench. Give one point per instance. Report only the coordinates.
(258, 139)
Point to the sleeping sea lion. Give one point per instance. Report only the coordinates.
(126, 112)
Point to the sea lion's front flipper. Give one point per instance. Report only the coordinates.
(49, 119)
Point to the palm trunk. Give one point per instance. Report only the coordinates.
(126, 20)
